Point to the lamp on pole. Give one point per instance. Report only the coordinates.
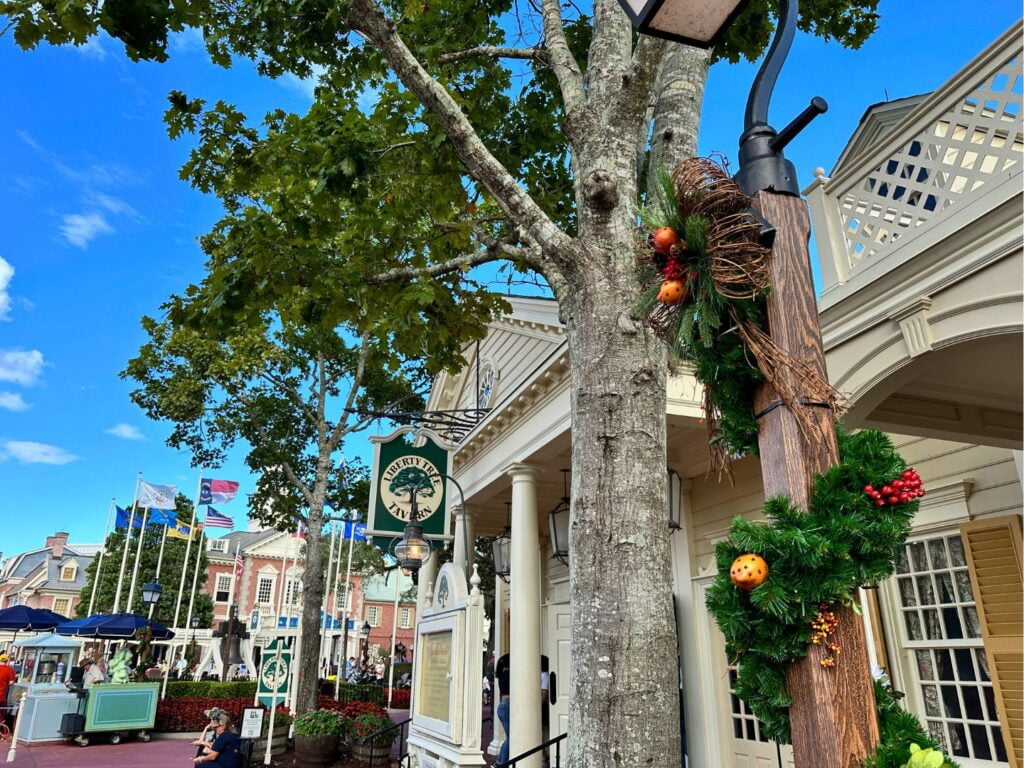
(365, 634)
(831, 713)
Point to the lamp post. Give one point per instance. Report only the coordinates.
(501, 548)
(365, 634)
(194, 623)
(833, 712)
(400, 651)
(151, 592)
(412, 550)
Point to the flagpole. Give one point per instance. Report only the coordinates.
(127, 544)
(99, 563)
(181, 581)
(280, 642)
(138, 556)
(195, 573)
(324, 616)
(394, 632)
(334, 596)
(159, 562)
(234, 577)
(344, 614)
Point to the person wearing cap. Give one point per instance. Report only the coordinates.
(7, 676)
(93, 674)
(223, 752)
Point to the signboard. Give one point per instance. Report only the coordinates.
(252, 723)
(254, 620)
(435, 679)
(275, 664)
(400, 470)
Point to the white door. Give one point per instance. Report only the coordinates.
(751, 748)
(559, 645)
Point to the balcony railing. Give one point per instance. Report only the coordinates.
(949, 149)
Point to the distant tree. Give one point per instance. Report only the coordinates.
(170, 572)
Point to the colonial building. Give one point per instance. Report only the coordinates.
(389, 604)
(919, 235)
(50, 577)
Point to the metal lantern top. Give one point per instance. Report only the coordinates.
(194, 623)
(151, 592)
(558, 524)
(365, 630)
(699, 23)
(501, 548)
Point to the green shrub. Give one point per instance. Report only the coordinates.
(319, 722)
(210, 689)
(351, 692)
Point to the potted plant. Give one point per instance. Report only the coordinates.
(316, 737)
(279, 739)
(370, 736)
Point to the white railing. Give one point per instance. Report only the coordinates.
(965, 134)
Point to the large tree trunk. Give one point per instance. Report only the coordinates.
(625, 697)
(312, 600)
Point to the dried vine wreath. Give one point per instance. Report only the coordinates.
(705, 277)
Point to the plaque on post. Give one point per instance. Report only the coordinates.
(447, 670)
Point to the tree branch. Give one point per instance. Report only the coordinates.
(561, 60)
(367, 17)
(340, 430)
(496, 52)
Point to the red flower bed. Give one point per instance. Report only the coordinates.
(399, 698)
(179, 715)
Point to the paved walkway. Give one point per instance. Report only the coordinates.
(128, 754)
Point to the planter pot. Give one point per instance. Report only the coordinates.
(278, 744)
(316, 750)
(363, 753)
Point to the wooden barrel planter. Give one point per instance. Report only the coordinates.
(278, 743)
(379, 753)
(316, 750)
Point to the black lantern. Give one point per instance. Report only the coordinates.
(674, 499)
(151, 592)
(365, 631)
(501, 548)
(558, 523)
(400, 650)
(698, 23)
(412, 550)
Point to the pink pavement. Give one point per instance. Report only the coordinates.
(170, 753)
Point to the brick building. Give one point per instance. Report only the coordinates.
(51, 577)
(378, 601)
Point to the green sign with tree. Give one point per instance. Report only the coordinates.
(402, 471)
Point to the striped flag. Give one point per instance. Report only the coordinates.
(215, 519)
(300, 532)
(239, 564)
(217, 491)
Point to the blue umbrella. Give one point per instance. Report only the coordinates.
(115, 626)
(21, 618)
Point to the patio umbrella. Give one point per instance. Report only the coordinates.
(21, 618)
(114, 626)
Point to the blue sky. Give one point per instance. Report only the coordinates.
(98, 230)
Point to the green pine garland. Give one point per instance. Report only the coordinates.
(820, 556)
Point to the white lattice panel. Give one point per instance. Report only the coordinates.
(978, 137)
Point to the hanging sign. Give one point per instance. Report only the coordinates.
(400, 470)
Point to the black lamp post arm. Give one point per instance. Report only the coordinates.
(764, 82)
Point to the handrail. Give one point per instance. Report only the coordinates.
(377, 735)
(555, 763)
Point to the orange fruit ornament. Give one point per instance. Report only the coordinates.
(748, 571)
(672, 292)
(663, 238)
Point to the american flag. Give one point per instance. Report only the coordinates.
(300, 532)
(239, 564)
(215, 519)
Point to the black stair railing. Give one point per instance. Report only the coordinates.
(556, 758)
(378, 748)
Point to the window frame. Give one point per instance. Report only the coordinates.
(272, 580)
(373, 615)
(217, 588)
(405, 620)
(56, 605)
(73, 567)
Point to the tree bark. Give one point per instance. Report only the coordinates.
(312, 599)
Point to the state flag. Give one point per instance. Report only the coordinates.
(355, 531)
(160, 517)
(217, 491)
(123, 516)
(181, 531)
(215, 519)
(157, 496)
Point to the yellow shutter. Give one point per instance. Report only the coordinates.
(993, 549)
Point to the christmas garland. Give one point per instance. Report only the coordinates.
(811, 563)
(704, 275)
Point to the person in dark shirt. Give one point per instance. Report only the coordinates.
(223, 752)
(501, 671)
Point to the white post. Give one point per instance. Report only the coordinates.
(344, 613)
(524, 678)
(99, 563)
(280, 642)
(460, 555)
(324, 616)
(138, 555)
(127, 544)
(497, 627)
(159, 563)
(394, 632)
(333, 604)
(234, 578)
(195, 575)
(17, 727)
(181, 581)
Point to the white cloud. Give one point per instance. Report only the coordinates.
(125, 431)
(21, 366)
(113, 204)
(6, 273)
(80, 228)
(92, 48)
(28, 452)
(304, 85)
(188, 40)
(12, 401)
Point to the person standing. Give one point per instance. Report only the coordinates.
(7, 678)
(501, 672)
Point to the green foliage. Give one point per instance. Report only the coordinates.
(213, 689)
(170, 572)
(319, 722)
(820, 556)
(900, 733)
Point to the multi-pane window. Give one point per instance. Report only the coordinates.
(405, 617)
(292, 590)
(342, 603)
(67, 573)
(373, 615)
(223, 590)
(264, 590)
(940, 627)
(62, 605)
(744, 724)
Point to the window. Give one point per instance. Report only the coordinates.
(485, 390)
(223, 590)
(939, 627)
(342, 604)
(218, 545)
(292, 590)
(265, 590)
(67, 573)
(405, 618)
(62, 605)
(373, 615)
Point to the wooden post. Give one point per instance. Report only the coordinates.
(833, 713)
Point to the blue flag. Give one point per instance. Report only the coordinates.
(355, 531)
(161, 517)
(123, 516)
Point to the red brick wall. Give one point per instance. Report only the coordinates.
(381, 635)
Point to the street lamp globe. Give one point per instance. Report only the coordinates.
(365, 631)
(151, 592)
(558, 523)
(699, 23)
(194, 622)
(413, 550)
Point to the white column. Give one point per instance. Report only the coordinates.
(524, 601)
(497, 628)
(426, 577)
(464, 533)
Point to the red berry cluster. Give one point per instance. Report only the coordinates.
(905, 488)
(825, 625)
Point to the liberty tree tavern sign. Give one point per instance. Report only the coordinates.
(403, 468)
(447, 669)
